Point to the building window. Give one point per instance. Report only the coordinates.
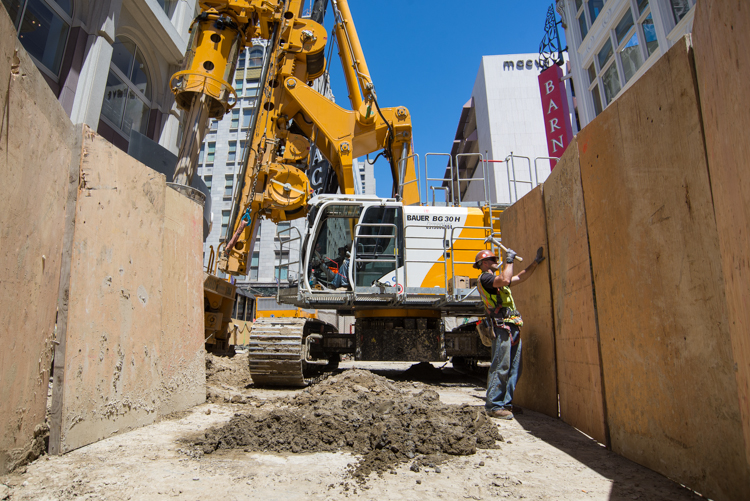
(247, 116)
(211, 153)
(241, 60)
(586, 13)
(609, 75)
(214, 124)
(232, 153)
(254, 266)
(126, 104)
(238, 86)
(595, 8)
(42, 27)
(628, 45)
(680, 8)
(168, 6)
(207, 179)
(282, 231)
(224, 222)
(235, 119)
(255, 58)
(228, 185)
(242, 150)
(281, 273)
(202, 153)
(281, 270)
(251, 87)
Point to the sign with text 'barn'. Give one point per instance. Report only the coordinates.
(556, 113)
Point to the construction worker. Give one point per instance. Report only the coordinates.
(504, 326)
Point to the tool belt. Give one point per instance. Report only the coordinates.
(502, 314)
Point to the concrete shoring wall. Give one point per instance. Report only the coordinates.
(664, 333)
(133, 345)
(38, 148)
(524, 230)
(721, 36)
(579, 372)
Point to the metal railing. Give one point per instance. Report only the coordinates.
(402, 175)
(447, 189)
(282, 242)
(487, 232)
(536, 166)
(379, 257)
(422, 249)
(471, 179)
(511, 166)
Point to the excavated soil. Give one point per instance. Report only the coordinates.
(386, 423)
(227, 372)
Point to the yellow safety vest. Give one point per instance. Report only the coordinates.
(505, 309)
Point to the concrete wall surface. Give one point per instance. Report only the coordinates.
(664, 331)
(525, 230)
(37, 151)
(721, 36)
(134, 336)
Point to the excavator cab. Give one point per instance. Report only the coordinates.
(362, 237)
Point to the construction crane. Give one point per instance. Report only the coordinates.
(409, 262)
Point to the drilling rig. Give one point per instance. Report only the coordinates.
(408, 261)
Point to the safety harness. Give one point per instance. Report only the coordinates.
(503, 312)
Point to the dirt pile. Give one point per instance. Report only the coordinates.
(364, 413)
(226, 377)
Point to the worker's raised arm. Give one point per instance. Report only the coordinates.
(506, 275)
(524, 274)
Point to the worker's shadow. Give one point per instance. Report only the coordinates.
(629, 480)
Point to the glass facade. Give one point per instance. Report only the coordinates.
(629, 42)
(126, 103)
(43, 27)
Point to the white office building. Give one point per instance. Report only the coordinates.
(502, 125)
(613, 42)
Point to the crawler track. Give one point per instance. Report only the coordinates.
(275, 352)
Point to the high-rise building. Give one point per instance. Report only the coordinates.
(613, 42)
(109, 62)
(501, 129)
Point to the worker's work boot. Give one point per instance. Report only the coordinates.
(500, 414)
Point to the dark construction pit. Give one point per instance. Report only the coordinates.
(366, 414)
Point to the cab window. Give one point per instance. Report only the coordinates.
(376, 245)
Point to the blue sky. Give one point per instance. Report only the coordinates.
(426, 55)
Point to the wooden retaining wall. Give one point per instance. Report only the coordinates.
(662, 310)
(648, 224)
(525, 229)
(721, 36)
(100, 264)
(38, 152)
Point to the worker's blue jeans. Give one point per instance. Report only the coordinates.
(504, 370)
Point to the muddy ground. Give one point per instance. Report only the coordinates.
(372, 431)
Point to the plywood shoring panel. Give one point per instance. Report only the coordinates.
(524, 230)
(663, 325)
(33, 198)
(721, 35)
(578, 366)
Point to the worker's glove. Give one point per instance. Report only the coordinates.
(539, 255)
(510, 255)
